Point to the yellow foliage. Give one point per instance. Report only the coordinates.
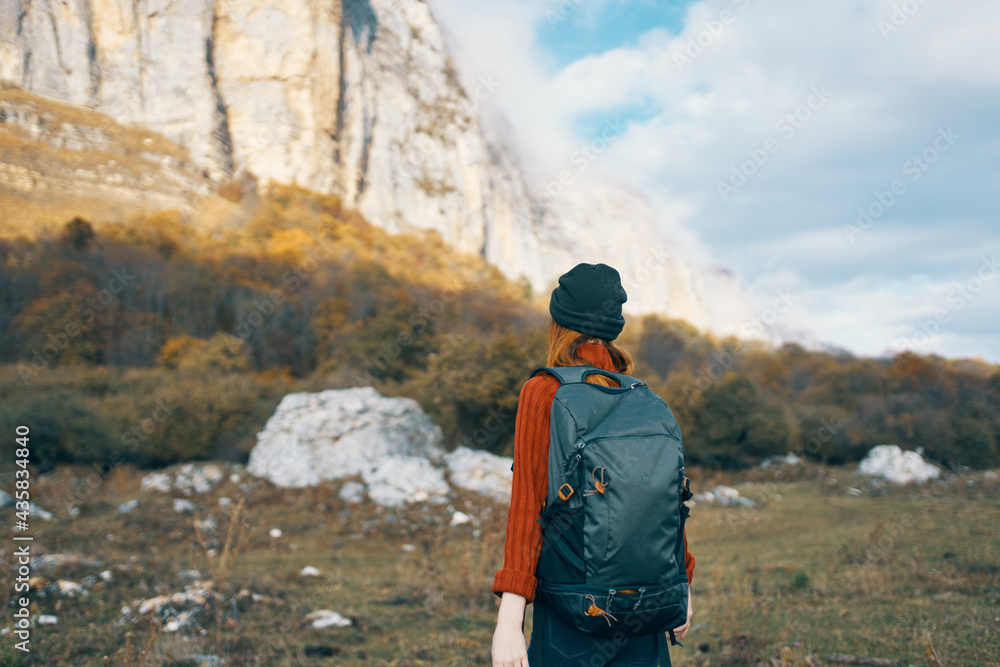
(290, 245)
(222, 352)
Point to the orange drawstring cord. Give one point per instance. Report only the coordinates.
(599, 484)
(594, 610)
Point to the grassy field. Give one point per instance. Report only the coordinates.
(911, 574)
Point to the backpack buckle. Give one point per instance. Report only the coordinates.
(563, 494)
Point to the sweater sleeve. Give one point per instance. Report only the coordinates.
(531, 450)
(688, 558)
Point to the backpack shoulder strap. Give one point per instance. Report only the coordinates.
(577, 374)
(566, 374)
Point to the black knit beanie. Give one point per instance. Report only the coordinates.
(589, 300)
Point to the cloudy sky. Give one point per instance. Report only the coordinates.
(846, 152)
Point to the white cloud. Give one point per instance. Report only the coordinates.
(890, 92)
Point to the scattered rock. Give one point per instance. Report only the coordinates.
(183, 505)
(352, 492)
(339, 433)
(206, 526)
(47, 619)
(188, 478)
(409, 547)
(788, 459)
(897, 466)
(723, 495)
(157, 481)
(41, 513)
(128, 506)
(275, 533)
(203, 659)
(309, 571)
(51, 560)
(324, 618)
(399, 480)
(105, 575)
(176, 610)
(481, 472)
(459, 518)
(6, 500)
(179, 621)
(989, 474)
(70, 589)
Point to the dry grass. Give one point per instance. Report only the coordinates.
(812, 573)
(131, 138)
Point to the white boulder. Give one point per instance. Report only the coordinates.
(338, 433)
(399, 480)
(480, 471)
(897, 466)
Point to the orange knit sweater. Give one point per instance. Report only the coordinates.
(531, 469)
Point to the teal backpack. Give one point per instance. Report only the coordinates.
(612, 559)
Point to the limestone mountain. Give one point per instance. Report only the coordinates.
(357, 98)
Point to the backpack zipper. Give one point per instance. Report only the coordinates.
(576, 454)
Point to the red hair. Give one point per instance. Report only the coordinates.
(563, 346)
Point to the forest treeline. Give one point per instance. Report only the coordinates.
(154, 342)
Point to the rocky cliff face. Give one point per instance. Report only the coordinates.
(353, 97)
